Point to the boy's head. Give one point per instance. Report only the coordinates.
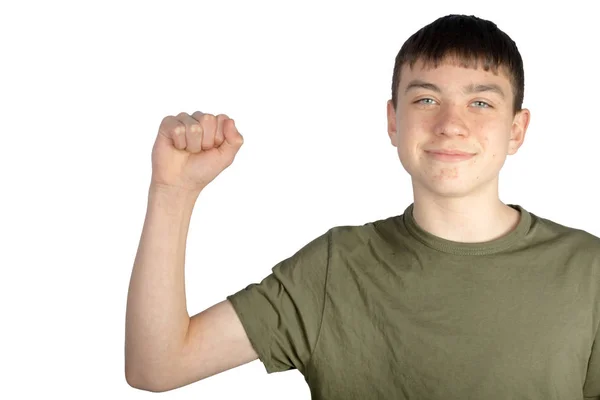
(471, 41)
(458, 84)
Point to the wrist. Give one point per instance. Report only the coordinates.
(172, 190)
(177, 196)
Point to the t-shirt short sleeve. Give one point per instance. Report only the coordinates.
(591, 388)
(282, 314)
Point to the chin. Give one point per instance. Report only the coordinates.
(447, 190)
(447, 184)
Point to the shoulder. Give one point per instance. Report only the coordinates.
(566, 239)
(559, 231)
(377, 234)
(366, 229)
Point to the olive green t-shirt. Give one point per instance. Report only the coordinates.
(387, 310)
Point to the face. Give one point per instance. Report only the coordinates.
(454, 108)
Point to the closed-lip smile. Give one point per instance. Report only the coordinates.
(450, 152)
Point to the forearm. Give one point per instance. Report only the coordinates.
(157, 317)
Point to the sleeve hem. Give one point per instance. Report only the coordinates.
(253, 332)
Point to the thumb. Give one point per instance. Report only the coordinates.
(233, 138)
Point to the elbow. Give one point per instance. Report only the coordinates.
(146, 388)
(135, 379)
(145, 384)
(142, 380)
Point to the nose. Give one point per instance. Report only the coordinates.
(449, 121)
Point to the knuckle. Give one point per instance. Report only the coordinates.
(208, 118)
(179, 130)
(167, 121)
(195, 129)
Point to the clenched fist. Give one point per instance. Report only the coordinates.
(190, 151)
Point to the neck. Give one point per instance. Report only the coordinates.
(472, 219)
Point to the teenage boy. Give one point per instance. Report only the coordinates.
(460, 297)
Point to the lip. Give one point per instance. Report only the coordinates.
(449, 156)
(450, 152)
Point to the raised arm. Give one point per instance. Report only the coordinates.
(164, 347)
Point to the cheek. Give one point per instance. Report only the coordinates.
(491, 134)
(495, 149)
(417, 122)
(411, 127)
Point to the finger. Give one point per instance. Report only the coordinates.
(197, 115)
(193, 133)
(219, 136)
(209, 127)
(174, 131)
(233, 138)
(206, 122)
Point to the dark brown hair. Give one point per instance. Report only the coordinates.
(470, 40)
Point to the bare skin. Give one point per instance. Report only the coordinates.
(457, 201)
(164, 347)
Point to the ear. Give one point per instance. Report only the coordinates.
(518, 130)
(391, 119)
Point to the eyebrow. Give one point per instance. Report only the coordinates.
(469, 89)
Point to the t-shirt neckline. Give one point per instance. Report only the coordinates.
(461, 248)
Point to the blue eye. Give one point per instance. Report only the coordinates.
(422, 101)
(482, 104)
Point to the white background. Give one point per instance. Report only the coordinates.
(84, 86)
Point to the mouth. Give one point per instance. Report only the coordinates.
(449, 156)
